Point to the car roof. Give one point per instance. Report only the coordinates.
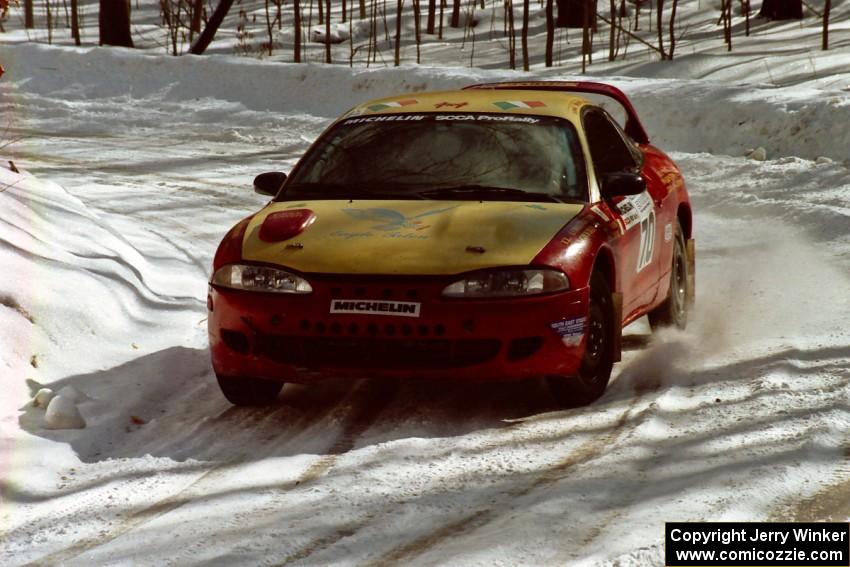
(502, 101)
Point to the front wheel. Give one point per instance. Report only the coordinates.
(598, 358)
(249, 391)
(674, 311)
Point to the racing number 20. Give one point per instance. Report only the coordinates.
(647, 241)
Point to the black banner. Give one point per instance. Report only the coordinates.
(745, 544)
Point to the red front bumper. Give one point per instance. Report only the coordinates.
(295, 338)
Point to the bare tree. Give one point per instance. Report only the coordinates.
(211, 28)
(327, 31)
(455, 23)
(826, 8)
(296, 17)
(197, 12)
(550, 31)
(29, 16)
(399, 6)
(525, 35)
(432, 14)
(417, 28)
(673, 29)
(75, 22)
(509, 6)
(114, 23)
(782, 9)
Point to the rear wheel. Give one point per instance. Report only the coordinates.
(674, 311)
(598, 358)
(249, 391)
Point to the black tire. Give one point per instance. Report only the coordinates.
(249, 391)
(674, 311)
(598, 359)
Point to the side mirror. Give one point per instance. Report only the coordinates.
(269, 183)
(622, 183)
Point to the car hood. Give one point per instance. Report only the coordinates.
(409, 237)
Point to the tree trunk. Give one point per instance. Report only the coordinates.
(511, 35)
(455, 23)
(432, 15)
(612, 33)
(397, 58)
(208, 34)
(826, 8)
(672, 29)
(75, 22)
(29, 16)
(571, 13)
(659, 15)
(417, 28)
(114, 23)
(782, 9)
(525, 35)
(362, 8)
(197, 11)
(550, 31)
(296, 8)
(327, 31)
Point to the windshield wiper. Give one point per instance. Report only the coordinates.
(481, 191)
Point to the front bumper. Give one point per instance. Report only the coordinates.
(296, 338)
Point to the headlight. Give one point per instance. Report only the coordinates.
(508, 283)
(260, 278)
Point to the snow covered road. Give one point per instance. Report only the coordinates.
(744, 417)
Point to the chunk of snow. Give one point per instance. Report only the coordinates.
(758, 154)
(338, 34)
(823, 160)
(62, 413)
(42, 398)
(72, 394)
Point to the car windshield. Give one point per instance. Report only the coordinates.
(444, 156)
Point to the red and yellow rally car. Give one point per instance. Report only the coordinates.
(504, 231)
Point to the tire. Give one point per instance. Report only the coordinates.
(674, 311)
(598, 359)
(241, 391)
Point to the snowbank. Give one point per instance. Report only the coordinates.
(682, 115)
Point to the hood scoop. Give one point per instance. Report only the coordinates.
(284, 225)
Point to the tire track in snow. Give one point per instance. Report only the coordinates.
(829, 504)
(589, 450)
(369, 402)
(201, 485)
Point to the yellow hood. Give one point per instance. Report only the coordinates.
(420, 237)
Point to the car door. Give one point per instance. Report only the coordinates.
(634, 249)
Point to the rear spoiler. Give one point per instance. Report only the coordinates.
(633, 126)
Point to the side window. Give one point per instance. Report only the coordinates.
(607, 148)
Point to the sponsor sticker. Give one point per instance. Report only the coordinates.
(373, 307)
(511, 104)
(394, 104)
(571, 331)
(668, 232)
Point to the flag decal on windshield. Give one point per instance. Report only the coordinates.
(511, 104)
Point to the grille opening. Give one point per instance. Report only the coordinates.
(367, 352)
(389, 330)
(336, 329)
(406, 330)
(336, 292)
(372, 329)
(412, 294)
(439, 330)
(524, 347)
(235, 341)
(423, 330)
(360, 291)
(320, 328)
(304, 325)
(353, 329)
(275, 320)
(387, 293)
